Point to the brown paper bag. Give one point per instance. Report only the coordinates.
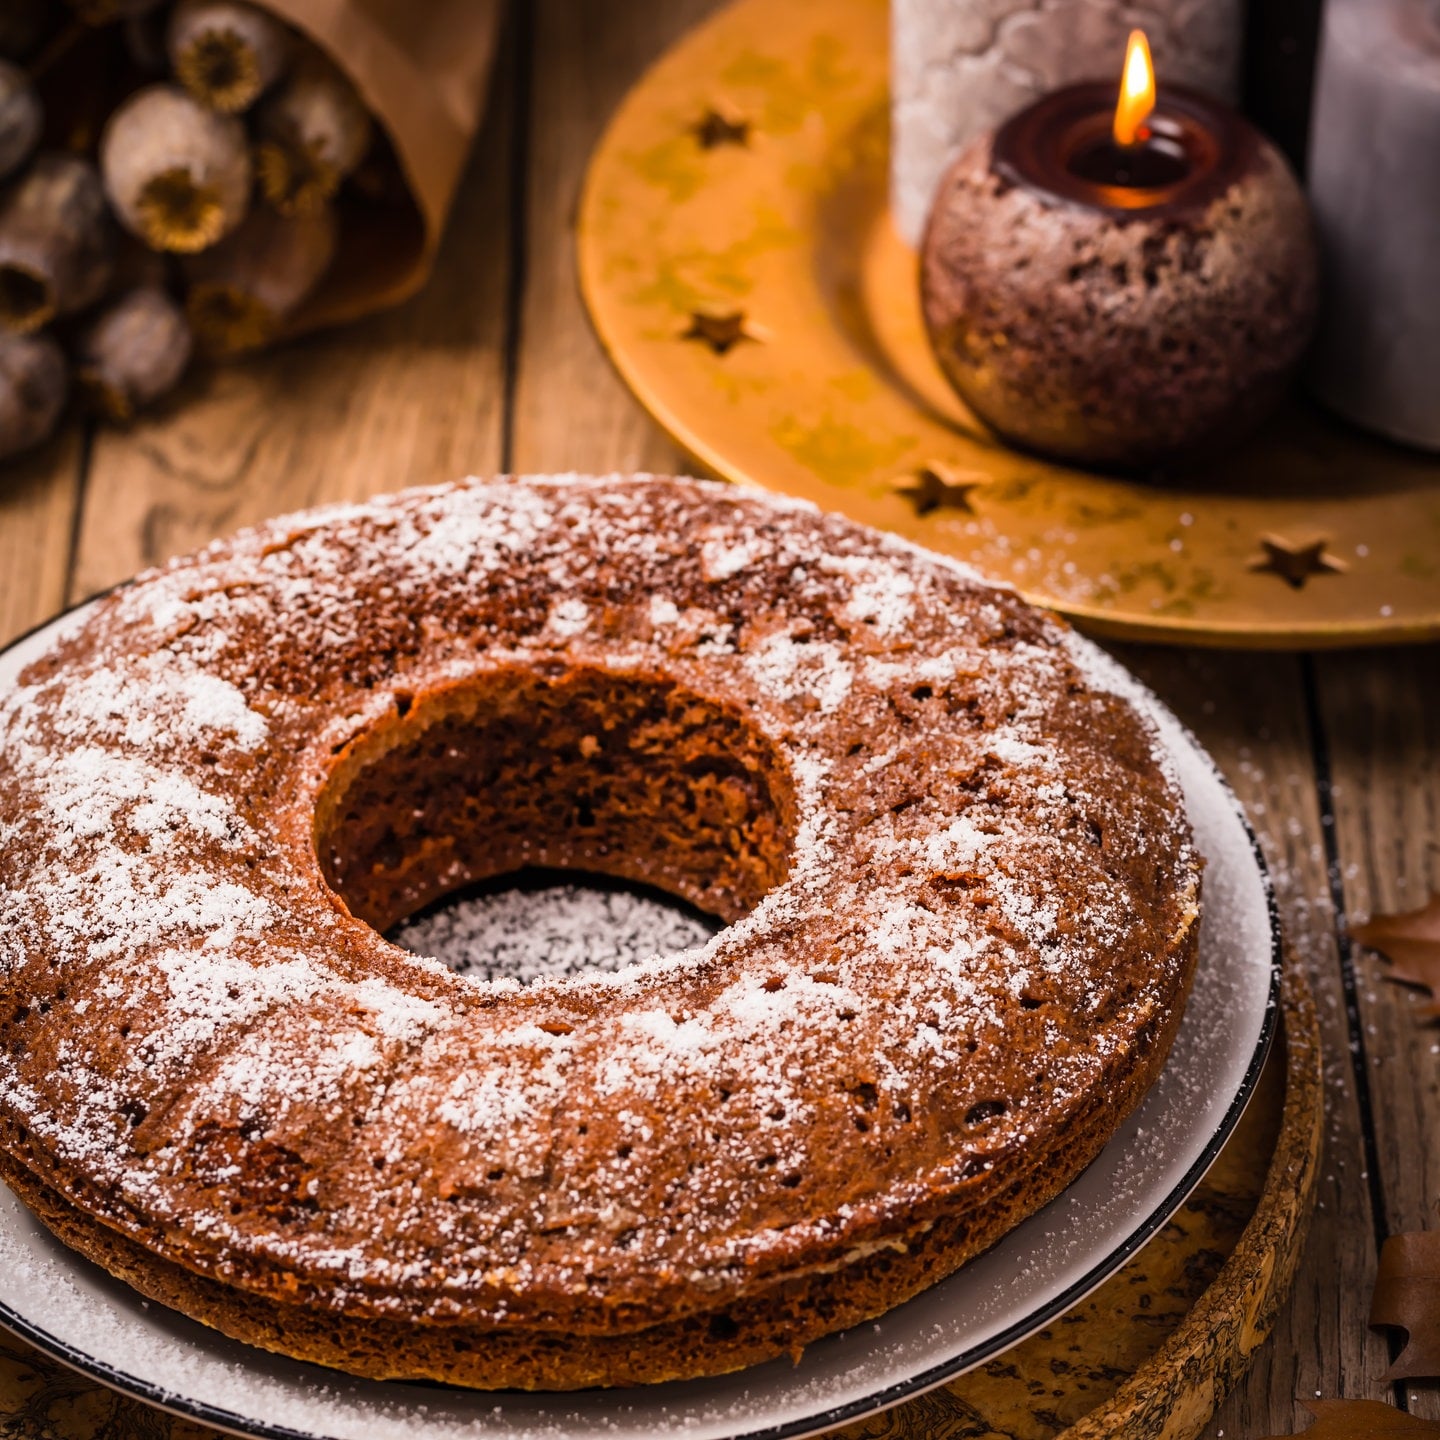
(423, 67)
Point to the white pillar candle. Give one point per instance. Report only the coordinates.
(959, 67)
(1375, 188)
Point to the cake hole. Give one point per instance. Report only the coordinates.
(551, 924)
(680, 821)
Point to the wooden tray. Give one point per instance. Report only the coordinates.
(736, 254)
(1148, 1354)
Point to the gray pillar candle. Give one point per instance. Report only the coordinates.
(1375, 189)
(960, 67)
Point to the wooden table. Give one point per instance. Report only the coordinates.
(494, 367)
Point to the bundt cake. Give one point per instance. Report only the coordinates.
(960, 893)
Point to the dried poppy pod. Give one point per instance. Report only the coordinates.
(33, 383)
(314, 132)
(225, 52)
(133, 352)
(177, 172)
(242, 291)
(57, 243)
(21, 118)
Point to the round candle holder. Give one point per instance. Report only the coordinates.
(738, 258)
(1120, 309)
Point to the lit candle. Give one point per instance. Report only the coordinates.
(1120, 283)
(959, 67)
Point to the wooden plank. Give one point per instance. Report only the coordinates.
(412, 397)
(1249, 712)
(572, 412)
(1380, 719)
(39, 495)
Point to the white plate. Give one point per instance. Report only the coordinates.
(77, 1313)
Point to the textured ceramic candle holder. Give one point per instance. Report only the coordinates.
(1120, 310)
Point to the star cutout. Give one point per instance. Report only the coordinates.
(713, 129)
(722, 333)
(938, 487)
(1295, 562)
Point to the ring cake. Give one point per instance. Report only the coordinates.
(960, 891)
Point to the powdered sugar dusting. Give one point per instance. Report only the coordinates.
(203, 994)
(552, 932)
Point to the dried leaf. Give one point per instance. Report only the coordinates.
(1364, 1420)
(1407, 1295)
(1411, 942)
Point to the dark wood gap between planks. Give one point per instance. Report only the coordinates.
(1345, 951)
(517, 49)
(88, 428)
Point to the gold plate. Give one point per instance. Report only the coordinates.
(739, 264)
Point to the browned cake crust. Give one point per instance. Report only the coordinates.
(961, 887)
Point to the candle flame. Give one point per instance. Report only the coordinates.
(1137, 92)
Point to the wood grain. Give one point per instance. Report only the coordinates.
(1249, 712)
(39, 495)
(1380, 718)
(571, 410)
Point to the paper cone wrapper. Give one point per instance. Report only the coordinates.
(423, 68)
